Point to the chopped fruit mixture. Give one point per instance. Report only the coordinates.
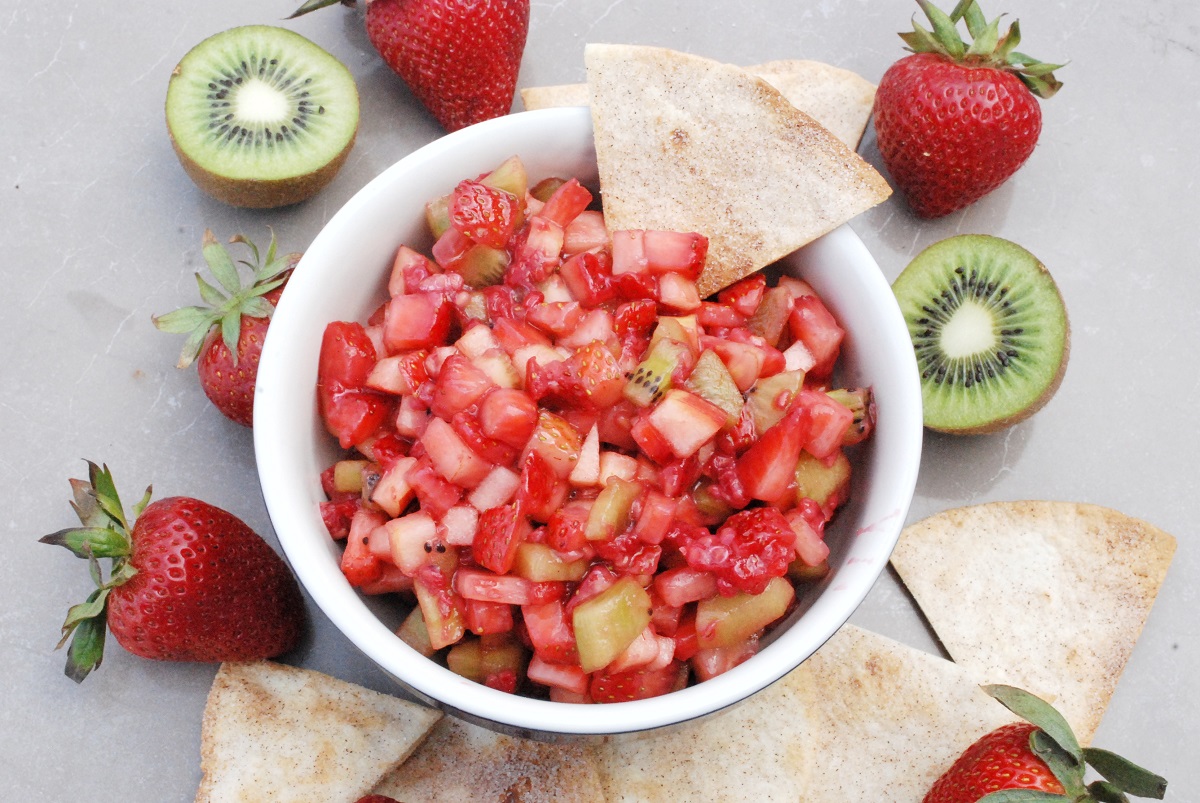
(595, 485)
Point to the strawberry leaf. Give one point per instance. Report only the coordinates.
(1020, 796)
(211, 295)
(944, 30)
(85, 542)
(87, 641)
(1039, 712)
(220, 263)
(106, 493)
(1124, 774)
(1065, 768)
(986, 40)
(231, 331)
(1104, 792)
(258, 308)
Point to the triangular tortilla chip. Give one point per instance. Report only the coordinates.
(464, 762)
(865, 718)
(1047, 596)
(684, 143)
(278, 734)
(840, 100)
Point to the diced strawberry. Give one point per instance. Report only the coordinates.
(686, 641)
(565, 676)
(634, 286)
(417, 321)
(719, 316)
(586, 472)
(485, 618)
(813, 324)
(540, 491)
(451, 456)
(745, 295)
(350, 411)
(391, 581)
(811, 549)
(359, 564)
(587, 277)
(400, 374)
(558, 319)
(567, 202)
(496, 489)
(565, 532)
(683, 584)
(408, 268)
(585, 233)
(744, 361)
(467, 426)
(550, 632)
(441, 607)
(336, 515)
(412, 417)
(678, 294)
(629, 252)
(535, 253)
(434, 493)
(709, 663)
(599, 577)
(830, 423)
(686, 421)
(616, 464)
(749, 549)
(629, 555)
(459, 525)
(768, 467)
(411, 540)
(484, 214)
(655, 516)
(501, 531)
(650, 440)
(595, 326)
(636, 684)
(459, 385)
(679, 253)
(392, 492)
(556, 441)
(508, 415)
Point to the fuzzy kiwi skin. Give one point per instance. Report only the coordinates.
(1001, 422)
(259, 193)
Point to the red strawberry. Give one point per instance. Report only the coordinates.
(634, 684)
(459, 57)
(228, 334)
(1041, 755)
(955, 121)
(188, 582)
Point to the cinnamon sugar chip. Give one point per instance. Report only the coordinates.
(1047, 596)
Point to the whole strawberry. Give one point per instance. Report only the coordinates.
(954, 121)
(228, 334)
(459, 57)
(188, 582)
(1039, 759)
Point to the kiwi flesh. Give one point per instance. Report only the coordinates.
(261, 117)
(990, 332)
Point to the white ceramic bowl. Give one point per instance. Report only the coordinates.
(342, 276)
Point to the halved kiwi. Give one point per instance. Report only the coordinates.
(260, 116)
(990, 332)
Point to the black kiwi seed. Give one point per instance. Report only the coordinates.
(260, 116)
(989, 329)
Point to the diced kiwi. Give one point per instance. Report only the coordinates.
(482, 265)
(711, 381)
(414, 633)
(609, 514)
(826, 482)
(478, 659)
(990, 332)
(861, 402)
(653, 376)
(728, 621)
(609, 622)
(540, 563)
(770, 397)
(771, 317)
(510, 176)
(260, 116)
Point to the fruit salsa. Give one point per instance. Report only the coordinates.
(596, 485)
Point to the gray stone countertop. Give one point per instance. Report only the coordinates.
(101, 229)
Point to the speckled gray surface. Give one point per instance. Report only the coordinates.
(101, 228)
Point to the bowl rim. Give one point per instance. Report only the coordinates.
(292, 509)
